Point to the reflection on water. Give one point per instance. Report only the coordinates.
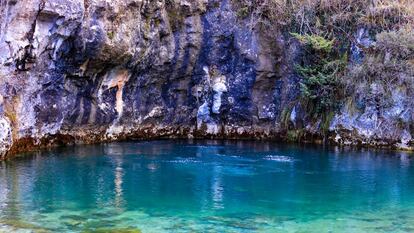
(118, 182)
(225, 186)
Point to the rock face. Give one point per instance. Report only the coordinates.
(84, 71)
(5, 137)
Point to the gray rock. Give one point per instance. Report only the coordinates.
(91, 71)
(5, 136)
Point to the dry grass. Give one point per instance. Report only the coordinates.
(397, 44)
(390, 14)
(329, 16)
(388, 63)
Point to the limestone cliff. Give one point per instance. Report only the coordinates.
(84, 71)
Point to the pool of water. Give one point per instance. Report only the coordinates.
(207, 186)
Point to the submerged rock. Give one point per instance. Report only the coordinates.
(113, 230)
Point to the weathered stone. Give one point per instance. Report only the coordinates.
(5, 136)
(95, 70)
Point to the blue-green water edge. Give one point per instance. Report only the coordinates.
(207, 186)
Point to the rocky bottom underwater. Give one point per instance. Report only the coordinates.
(207, 186)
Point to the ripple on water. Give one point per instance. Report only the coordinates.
(235, 189)
(183, 160)
(280, 158)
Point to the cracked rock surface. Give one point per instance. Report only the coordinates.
(84, 71)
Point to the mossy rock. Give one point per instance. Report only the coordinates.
(113, 230)
(243, 12)
(20, 225)
(110, 35)
(294, 135)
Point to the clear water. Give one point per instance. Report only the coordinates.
(207, 186)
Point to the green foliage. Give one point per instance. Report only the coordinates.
(327, 31)
(319, 84)
(318, 88)
(315, 42)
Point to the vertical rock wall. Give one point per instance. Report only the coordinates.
(97, 70)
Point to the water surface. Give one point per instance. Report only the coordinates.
(207, 186)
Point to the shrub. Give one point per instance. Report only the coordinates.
(327, 31)
(319, 84)
(315, 42)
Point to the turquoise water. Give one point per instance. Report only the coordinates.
(207, 186)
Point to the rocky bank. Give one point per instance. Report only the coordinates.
(86, 71)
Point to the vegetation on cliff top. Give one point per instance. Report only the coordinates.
(328, 33)
(329, 16)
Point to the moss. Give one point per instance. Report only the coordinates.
(147, 27)
(175, 16)
(157, 22)
(243, 12)
(285, 117)
(19, 225)
(110, 35)
(12, 116)
(326, 121)
(10, 111)
(294, 135)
